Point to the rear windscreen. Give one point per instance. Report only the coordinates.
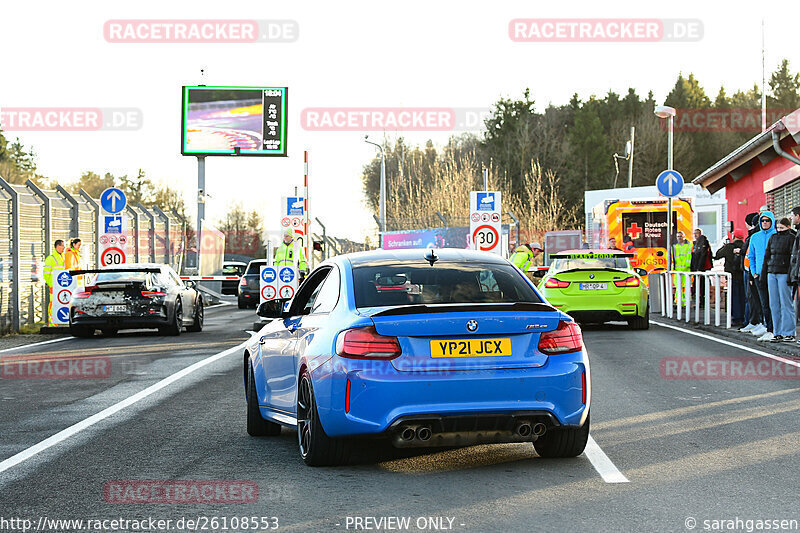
(111, 277)
(444, 283)
(559, 265)
(255, 268)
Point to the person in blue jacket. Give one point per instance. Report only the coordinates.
(758, 248)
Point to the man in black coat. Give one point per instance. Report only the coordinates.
(733, 265)
(701, 259)
(794, 269)
(753, 315)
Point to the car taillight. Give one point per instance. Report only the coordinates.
(366, 343)
(243, 281)
(153, 294)
(566, 338)
(632, 281)
(554, 283)
(85, 293)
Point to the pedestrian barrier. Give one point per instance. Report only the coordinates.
(676, 300)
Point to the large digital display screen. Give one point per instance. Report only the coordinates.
(233, 121)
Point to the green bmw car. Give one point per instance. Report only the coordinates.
(597, 286)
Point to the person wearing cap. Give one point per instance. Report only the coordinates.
(753, 316)
(285, 253)
(524, 255)
(734, 267)
(755, 253)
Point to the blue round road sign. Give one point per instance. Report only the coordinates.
(64, 279)
(63, 314)
(268, 275)
(113, 200)
(670, 183)
(287, 275)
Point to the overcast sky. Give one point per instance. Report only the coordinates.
(413, 54)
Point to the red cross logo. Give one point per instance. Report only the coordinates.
(634, 231)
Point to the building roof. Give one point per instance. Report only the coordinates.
(737, 163)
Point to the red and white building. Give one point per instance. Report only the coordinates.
(763, 171)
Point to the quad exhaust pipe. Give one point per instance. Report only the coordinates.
(422, 433)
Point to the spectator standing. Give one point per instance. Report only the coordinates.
(701, 259)
(777, 260)
(752, 310)
(733, 265)
(794, 267)
(755, 253)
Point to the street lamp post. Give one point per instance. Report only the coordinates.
(668, 113)
(382, 200)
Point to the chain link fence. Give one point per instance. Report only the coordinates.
(35, 218)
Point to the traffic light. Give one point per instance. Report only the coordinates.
(317, 246)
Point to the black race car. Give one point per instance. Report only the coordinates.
(135, 296)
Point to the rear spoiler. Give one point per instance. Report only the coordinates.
(149, 270)
(589, 256)
(415, 309)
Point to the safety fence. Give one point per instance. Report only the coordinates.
(35, 218)
(675, 295)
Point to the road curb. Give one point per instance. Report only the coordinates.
(734, 335)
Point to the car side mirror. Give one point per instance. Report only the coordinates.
(190, 283)
(641, 271)
(272, 309)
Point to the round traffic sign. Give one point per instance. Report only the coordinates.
(103, 239)
(64, 296)
(268, 274)
(287, 274)
(295, 222)
(122, 239)
(113, 200)
(268, 292)
(64, 279)
(112, 256)
(495, 217)
(112, 239)
(485, 217)
(285, 222)
(476, 217)
(286, 292)
(486, 237)
(63, 315)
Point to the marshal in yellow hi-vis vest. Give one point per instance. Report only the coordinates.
(285, 253)
(682, 256)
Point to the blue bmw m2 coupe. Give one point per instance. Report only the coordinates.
(423, 347)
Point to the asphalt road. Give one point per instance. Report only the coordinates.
(702, 449)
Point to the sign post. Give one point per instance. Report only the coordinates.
(485, 215)
(112, 235)
(670, 184)
(268, 284)
(64, 286)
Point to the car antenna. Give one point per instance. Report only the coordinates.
(431, 257)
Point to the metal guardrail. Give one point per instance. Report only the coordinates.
(32, 218)
(676, 300)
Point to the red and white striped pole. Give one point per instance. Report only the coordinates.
(305, 209)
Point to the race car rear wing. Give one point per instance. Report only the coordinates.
(149, 270)
(590, 255)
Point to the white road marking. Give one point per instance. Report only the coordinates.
(603, 464)
(729, 343)
(51, 341)
(117, 407)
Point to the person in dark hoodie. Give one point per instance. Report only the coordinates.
(752, 311)
(794, 267)
(701, 260)
(733, 266)
(777, 260)
(758, 247)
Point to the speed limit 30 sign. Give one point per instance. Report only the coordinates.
(485, 215)
(113, 256)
